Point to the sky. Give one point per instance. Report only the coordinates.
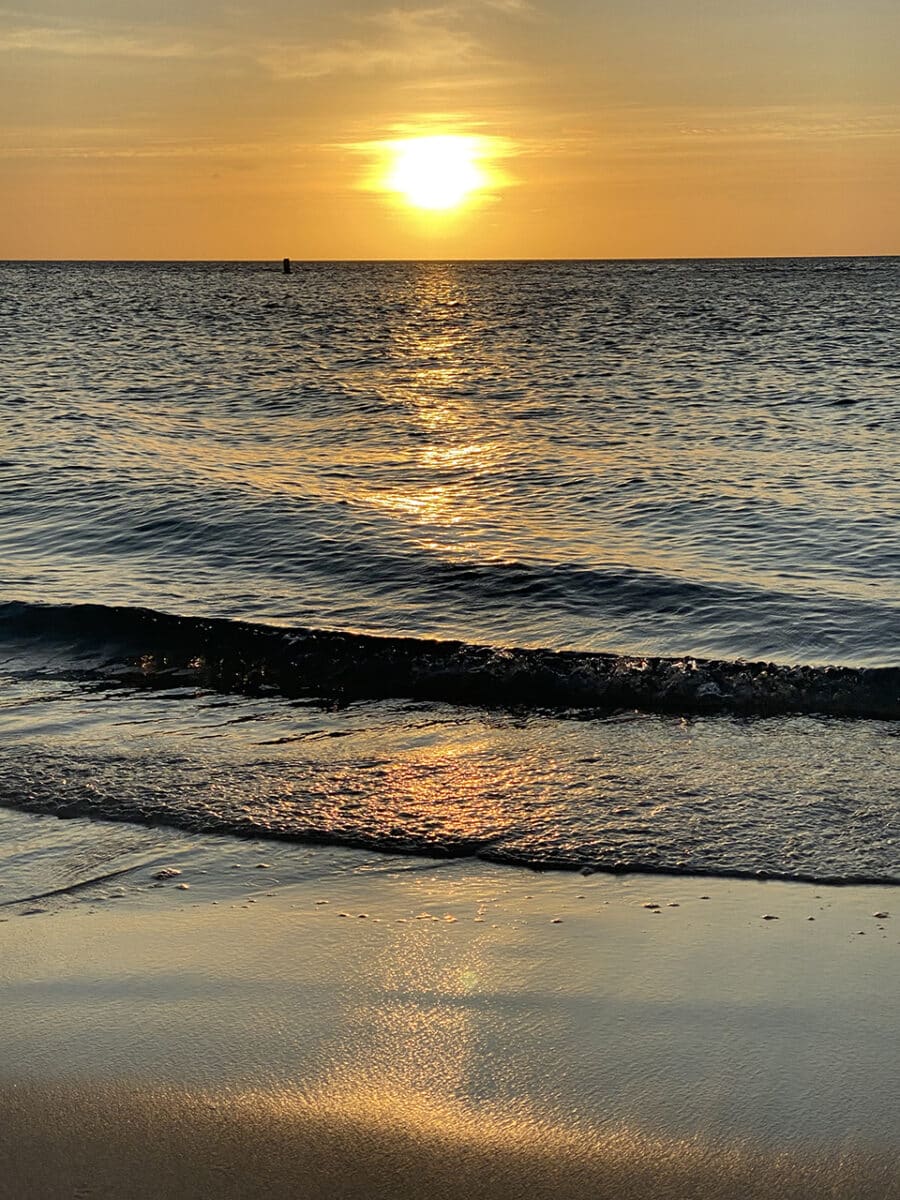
(605, 128)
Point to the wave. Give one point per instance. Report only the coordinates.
(617, 861)
(68, 889)
(144, 647)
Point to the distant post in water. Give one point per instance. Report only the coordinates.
(286, 266)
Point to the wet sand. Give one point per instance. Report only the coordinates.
(452, 1030)
(113, 1142)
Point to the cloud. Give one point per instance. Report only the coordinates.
(395, 40)
(58, 152)
(775, 124)
(437, 46)
(513, 8)
(85, 43)
(304, 61)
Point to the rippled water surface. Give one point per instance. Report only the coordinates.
(662, 458)
(648, 464)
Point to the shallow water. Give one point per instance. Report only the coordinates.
(636, 466)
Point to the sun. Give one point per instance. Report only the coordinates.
(437, 173)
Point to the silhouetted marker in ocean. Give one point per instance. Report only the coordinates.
(286, 266)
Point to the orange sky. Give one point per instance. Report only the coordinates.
(647, 128)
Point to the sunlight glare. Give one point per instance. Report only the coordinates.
(436, 173)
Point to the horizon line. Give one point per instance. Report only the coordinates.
(525, 259)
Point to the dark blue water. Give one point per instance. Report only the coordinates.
(568, 563)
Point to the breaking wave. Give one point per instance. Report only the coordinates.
(140, 646)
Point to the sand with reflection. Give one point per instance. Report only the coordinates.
(128, 1144)
(481, 1032)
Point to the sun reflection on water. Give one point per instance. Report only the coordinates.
(431, 380)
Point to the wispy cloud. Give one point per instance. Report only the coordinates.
(790, 123)
(303, 61)
(98, 145)
(513, 8)
(86, 43)
(396, 41)
(399, 41)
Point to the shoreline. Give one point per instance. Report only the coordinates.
(432, 1029)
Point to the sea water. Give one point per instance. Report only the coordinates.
(562, 565)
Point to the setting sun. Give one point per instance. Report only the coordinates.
(436, 173)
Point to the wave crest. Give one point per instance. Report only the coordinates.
(149, 648)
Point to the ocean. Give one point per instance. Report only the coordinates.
(561, 565)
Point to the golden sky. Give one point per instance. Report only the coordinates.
(605, 128)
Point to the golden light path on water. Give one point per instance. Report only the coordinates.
(458, 447)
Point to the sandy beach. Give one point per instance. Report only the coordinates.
(412, 1028)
